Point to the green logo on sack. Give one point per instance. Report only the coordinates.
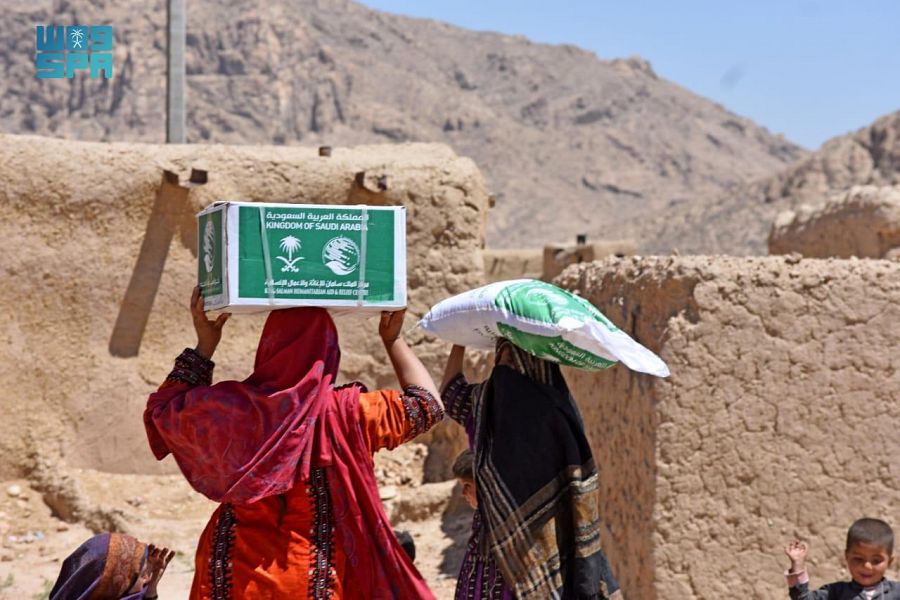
(554, 349)
(547, 303)
(552, 306)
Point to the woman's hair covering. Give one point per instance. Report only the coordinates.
(241, 441)
(537, 482)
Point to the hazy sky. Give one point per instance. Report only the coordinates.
(805, 68)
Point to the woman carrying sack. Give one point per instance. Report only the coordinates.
(536, 531)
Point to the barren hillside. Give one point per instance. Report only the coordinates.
(739, 222)
(569, 143)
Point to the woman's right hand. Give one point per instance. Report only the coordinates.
(209, 332)
(409, 369)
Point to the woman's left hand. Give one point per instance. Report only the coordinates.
(391, 325)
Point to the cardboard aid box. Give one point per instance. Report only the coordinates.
(257, 256)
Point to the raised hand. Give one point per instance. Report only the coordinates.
(209, 332)
(391, 325)
(797, 551)
(408, 368)
(157, 561)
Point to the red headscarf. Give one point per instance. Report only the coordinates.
(240, 442)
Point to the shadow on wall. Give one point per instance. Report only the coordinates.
(171, 212)
(456, 523)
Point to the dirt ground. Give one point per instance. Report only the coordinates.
(164, 510)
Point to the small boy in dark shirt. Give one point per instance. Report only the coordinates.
(869, 553)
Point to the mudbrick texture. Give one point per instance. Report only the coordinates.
(862, 222)
(779, 420)
(99, 261)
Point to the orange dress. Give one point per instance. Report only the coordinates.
(284, 546)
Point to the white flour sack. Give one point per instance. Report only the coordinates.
(543, 320)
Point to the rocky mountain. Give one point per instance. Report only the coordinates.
(739, 222)
(569, 143)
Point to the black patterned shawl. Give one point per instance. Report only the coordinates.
(537, 482)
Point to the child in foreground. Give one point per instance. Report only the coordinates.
(112, 566)
(869, 552)
(479, 577)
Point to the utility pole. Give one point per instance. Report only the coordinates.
(175, 84)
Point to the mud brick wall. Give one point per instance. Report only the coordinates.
(779, 420)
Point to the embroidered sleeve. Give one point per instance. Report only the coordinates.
(191, 368)
(457, 398)
(423, 410)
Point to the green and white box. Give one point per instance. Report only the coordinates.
(259, 256)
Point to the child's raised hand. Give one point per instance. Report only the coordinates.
(797, 551)
(157, 561)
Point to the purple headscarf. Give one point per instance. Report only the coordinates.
(105, 567)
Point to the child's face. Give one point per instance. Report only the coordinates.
(867, 563)
(468, 491)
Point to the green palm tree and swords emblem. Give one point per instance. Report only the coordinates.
(290, 244)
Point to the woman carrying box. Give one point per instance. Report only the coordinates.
(289, 457)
